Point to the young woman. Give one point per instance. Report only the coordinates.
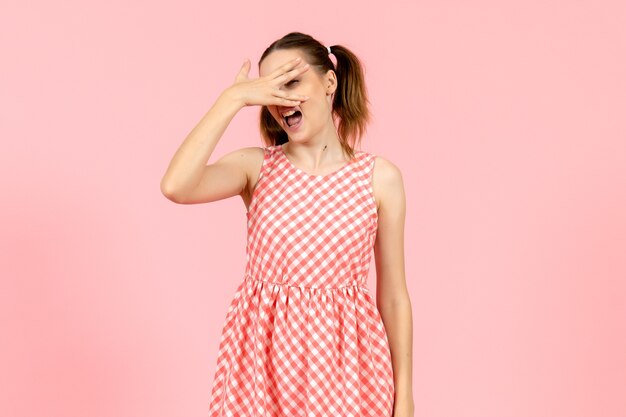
(303, 336)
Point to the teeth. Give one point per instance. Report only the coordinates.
(289, 113)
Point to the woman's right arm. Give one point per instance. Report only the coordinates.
(188, 179)
(188, 167)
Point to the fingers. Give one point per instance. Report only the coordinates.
(285, 68)
(281, 79)
(287, 99)
(288, 102)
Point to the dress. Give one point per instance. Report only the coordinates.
(302, 335)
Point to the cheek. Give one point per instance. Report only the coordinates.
(315, 107)
(312, 105)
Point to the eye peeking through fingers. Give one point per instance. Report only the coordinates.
(292, 81)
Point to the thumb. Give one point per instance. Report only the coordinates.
(245, 68)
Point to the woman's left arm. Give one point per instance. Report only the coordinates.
(392, 297)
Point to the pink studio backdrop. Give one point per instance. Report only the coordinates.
(506, 119)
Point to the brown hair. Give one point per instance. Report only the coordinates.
(350, 102)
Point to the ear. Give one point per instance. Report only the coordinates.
(331, 82)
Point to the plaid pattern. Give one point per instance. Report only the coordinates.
(302, 335)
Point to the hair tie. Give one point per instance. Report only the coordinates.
(328, 48)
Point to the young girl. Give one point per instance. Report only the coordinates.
(303, 336)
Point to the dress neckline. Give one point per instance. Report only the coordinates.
(330, 174)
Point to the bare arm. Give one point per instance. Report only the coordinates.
(188, 168)
(188, 179)
(392, 296)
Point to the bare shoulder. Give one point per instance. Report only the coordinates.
(250, 159)
(387, 183)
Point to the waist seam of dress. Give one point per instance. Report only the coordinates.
(287, 284)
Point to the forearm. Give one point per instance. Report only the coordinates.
(187, 165)
(397, 317)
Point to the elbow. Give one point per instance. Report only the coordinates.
(398, 299)
(170, 192)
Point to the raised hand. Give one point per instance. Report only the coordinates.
(266, 90)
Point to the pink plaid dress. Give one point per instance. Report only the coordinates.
(302, 335)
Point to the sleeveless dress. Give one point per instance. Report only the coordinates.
(302, 335)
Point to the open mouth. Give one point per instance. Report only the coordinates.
(292, 118)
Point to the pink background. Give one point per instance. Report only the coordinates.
(506, 119)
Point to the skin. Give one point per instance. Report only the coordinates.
(284, 83)
(305, 146)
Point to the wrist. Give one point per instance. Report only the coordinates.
(404, 394)
(230, 96)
